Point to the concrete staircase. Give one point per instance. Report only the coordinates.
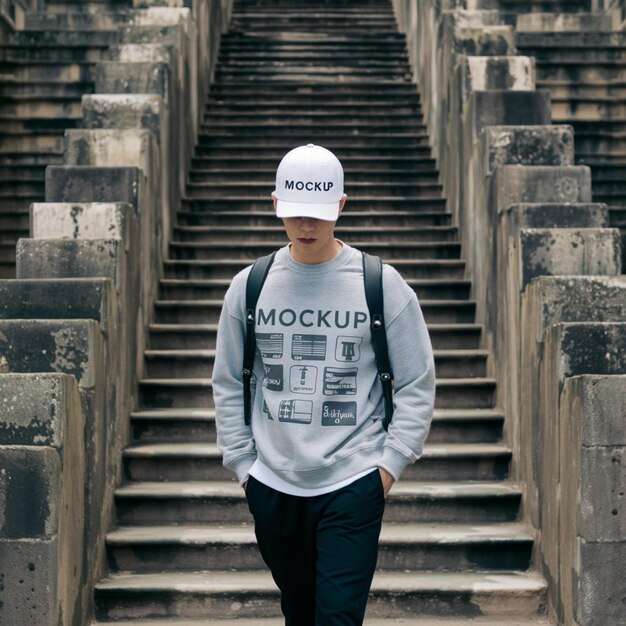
(586, 75)
(452, 546)
(43, 75)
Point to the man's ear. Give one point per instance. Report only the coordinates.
(342, 202)
(274, 199)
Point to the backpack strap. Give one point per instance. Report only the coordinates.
(254, 284)
(373, 278)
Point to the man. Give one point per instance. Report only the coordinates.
(315, 462)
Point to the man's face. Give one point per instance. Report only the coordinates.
(312, 240)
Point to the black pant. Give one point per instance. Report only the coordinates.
(321, 550)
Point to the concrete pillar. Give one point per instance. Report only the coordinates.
(592, 521)
(42, 476)
(571, 349)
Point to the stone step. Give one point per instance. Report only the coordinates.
(190, 269)
(11, 125)
(392, 594)
(349, 217)
(364, 91)
(14, 89)
(278, 56)
(588, 109)
(426, 621)
(406, 191)
(311, 72)
(314, 105)
(208, 288)
(358, 203)
(42, 108)
(223, 502)
(196, 363)
(203, 461)
(452, 393)
(252, 250)
(370, 121)
(9, 188)
(402, 547)
(16, 220)
(580, 71)
(207, 311)
(388, 176)
(181, 425)
(599, 89)
(50, 53)
(350, 37)
(38, 71)
(339, 138)
(170, 336)
(65, 38)
(546, 6)
(278, 148)
(26, 141)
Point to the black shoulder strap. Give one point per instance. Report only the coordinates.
(256, 278)
(373, 277)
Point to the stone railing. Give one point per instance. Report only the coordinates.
(545, 271)
(73, 322)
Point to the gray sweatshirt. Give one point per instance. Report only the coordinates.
(317, 402)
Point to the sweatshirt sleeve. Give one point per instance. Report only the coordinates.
(234, 438)
(412, 363)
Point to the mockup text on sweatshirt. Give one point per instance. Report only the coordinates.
(317, 401)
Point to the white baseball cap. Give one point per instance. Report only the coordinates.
(309, 183)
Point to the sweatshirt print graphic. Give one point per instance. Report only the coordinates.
(317, 403)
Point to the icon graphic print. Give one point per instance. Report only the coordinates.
(296, 411)
(339, 414)
(302, 378)
(340, 381)
(308, 347)
(348, 349)
(273, 379)
(270, 345)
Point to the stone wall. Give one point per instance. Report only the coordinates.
(79, 308)
(537, 250)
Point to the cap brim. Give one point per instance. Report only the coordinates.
(328, 211)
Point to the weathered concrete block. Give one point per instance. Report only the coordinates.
(601, 587)
(520, 184)
(595, 407)
(165, 34)
(552, 300)
(81, 220)
(509, 108)
(140, 78)
(516, 73)
(60, 258)
(549, 215)
(131, 147)
(66, 346)
(570, 349)
(70, 298)
(562, 22)
(569, 251)
(592, 484)
(29, 484)
(141, 53)
(485, 40)
(125, 111)
(79, 183)
(526, 145)
(29, 582)
(35, 409)
(42, 551)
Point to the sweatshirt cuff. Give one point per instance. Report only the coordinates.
(393, 461)
(241, 466)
